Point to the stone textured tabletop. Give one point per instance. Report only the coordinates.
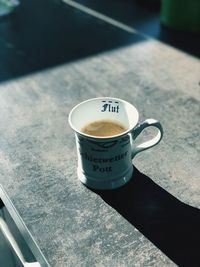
(73, 225)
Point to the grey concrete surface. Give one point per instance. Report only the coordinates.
(72, 225)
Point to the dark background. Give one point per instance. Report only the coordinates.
(41, 34)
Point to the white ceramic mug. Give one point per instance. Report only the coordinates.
(106, 162)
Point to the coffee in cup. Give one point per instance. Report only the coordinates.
(104, 128)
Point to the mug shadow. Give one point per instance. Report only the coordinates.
(171, 225)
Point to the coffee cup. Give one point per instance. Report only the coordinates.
(105, 156)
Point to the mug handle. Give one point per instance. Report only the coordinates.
(150, 143)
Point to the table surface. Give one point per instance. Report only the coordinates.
(154, 219)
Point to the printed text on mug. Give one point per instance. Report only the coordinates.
(110, 106)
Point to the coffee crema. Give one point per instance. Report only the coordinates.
(104, 128)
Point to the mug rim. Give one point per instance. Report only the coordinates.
(101, 137)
